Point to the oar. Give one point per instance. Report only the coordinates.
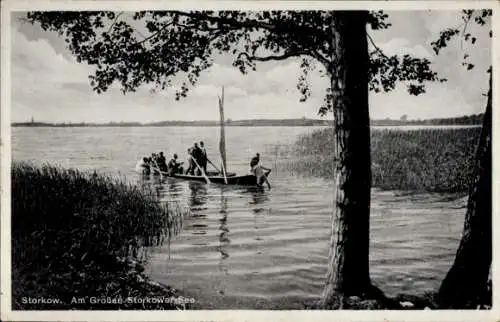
(213, 165)
(268, 184)
(265, 176)
(202, 172)
(160, 172)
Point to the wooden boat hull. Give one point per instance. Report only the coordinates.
(244, 180)
(232, 178)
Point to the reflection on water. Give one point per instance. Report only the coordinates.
(224, 240)
(198, 195)
(259, 196)
(241, 245)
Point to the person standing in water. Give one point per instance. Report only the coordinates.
(255, 161)
(174, 166)
(259, 171)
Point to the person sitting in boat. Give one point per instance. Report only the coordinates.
(142, 166)
(152, 158)
(190, 162)
(162, 162)
(203, 157)
(174, 166)
(259, 171)
(153, 162)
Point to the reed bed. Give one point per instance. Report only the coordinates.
(427, 160)
(81, 235)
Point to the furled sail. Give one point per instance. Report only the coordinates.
(222, 141)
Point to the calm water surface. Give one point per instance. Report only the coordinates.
(244, 247)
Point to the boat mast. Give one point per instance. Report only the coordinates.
(222, 142)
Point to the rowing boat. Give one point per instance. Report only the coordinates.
(215, 177)
(232, 178)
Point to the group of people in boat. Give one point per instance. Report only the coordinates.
(156, 161)
(197, 161)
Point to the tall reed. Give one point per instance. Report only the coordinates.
(80, 233)
(435, 160)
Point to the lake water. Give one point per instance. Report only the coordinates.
(244, 247)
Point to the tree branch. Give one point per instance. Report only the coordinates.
(466, 22)
(273, 57)
(249, 23)
(228, 21)
(155, 33)
(216, 30)
(215, 35)
(376, 47)
(114, 21)
(286, 56)
(320, 58)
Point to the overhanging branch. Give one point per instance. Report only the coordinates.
(376, 47)
(228, 21)
(155, 33)
(114, 21)
(250, 23)
(320, 58)
(271, 57)
(217, 32)
(287, 55)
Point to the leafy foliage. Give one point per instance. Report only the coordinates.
(385, 72)
(479, 17)
(151, 47)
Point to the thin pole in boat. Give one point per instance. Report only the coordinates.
(224, 172)
(222, 140)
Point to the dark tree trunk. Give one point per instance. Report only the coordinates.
(348, 272)
(467, 278)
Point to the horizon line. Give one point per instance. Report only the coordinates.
(32, 120)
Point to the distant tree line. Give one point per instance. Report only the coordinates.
(475, 119)
(229, 122)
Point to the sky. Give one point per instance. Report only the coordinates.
(49, 85)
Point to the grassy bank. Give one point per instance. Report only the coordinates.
(433, 160)
(80, 239)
